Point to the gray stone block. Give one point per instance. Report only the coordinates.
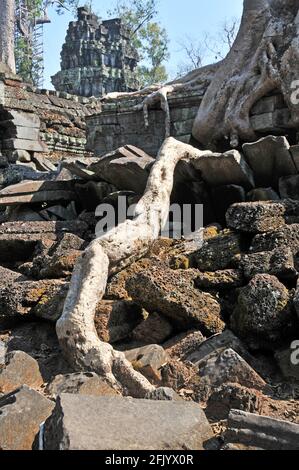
(270, 158)
(261, 432)
(112, 423)
(21, 414)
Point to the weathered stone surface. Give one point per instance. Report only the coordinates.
(182, 345)
(261, 432)
(16, 173)
(264, 310)
(262, 194)
(279, 263)
(133, 424)
(163, 393)
(148, 360)
(226, 367)
(256, 216)
(223, 169)
(172, 294)
(217, 252)
(20, 238)
(39, 340)
(44, 299)
(178, 375)
(124, 168)
(269, 158)
(21, 414)
(19, 369)
(289, 187)
(154, 330)
(226, 279)
(37, 191)
(285, 237)
(233, 396)
(83, 383)
(295, 154)
(219, 343)
(115, 320)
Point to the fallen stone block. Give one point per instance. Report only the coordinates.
(225, 279)
(148, 360)
(270, 158)
(289, 187)
(44, 299)
(181, 346)
(284, 237)
(124, 168)
(233, 396)
(82, 383)
(261, 432)
(115, 320)
(255, 217)
(171, 293)
(21, 413)
(219, 342)
(218, 252)
(279, 263)
(264, 311)
(226, 367)
(16, 173)
(223, 169)
(19, 369)
(37, 191)
(154, 330)
(163, 393)
(133, 424)
(19, 239)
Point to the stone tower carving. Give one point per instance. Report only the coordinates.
(97, 57)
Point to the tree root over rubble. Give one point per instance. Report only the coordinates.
(107, 255)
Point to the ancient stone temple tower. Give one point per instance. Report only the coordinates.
(97, 57)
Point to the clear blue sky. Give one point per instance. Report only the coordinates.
(180, 18)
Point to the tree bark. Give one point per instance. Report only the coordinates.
(105, 256)
(7, 27)
(263, 58)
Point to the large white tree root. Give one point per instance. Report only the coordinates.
(106, 255)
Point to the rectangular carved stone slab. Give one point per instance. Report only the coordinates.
(111, 423)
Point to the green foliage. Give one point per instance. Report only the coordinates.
(148, 36)
(29, 62)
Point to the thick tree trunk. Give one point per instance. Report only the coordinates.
(107, 255)
(264, 57)
(7, 26)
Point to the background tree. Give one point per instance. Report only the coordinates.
(148, 36)
(7, 24)
(198, 52)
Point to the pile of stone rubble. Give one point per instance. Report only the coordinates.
(211, 322)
